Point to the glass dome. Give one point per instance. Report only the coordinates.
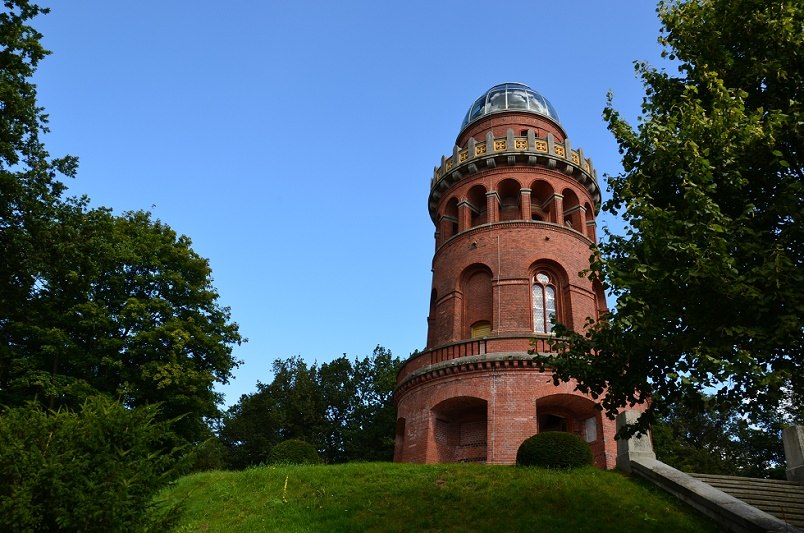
(510, 97)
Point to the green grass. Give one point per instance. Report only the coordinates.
(428, 498)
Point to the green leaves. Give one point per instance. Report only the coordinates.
(345, 408)
(93, 303)
(708, 276)
(94, 469)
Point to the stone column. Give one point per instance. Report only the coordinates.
(464, 216)
(558, 209)
(793, 439)
(634, 448)
(524, 201)
(582, 217)
(492, 207)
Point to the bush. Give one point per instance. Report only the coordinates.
(210, 454)
(554, 449)
(93, 470)
(294, 452)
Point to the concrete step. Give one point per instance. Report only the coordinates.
(782, 499)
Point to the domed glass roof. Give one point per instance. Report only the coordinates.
(510, 97)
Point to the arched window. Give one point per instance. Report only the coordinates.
(544, 303)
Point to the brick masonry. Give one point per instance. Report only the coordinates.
(478, 399)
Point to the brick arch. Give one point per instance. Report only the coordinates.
(509, 193)
(572, 211)
(399, 438)
(431, 317)
(460, 429)
(590, 230)
(578, 413)
(560, 281)
(448, 219)
(600, 298)
(542, 201)
(475, 285)
(476, 200)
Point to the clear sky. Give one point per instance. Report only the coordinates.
(294, 141)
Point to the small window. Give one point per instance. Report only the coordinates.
(552, 423)
(481, 329)
(544, 303)
(590, 429)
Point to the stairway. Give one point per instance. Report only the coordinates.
(782, 499)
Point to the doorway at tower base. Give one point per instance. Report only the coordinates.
(460, 430)
(484, 416)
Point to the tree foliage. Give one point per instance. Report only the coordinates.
(94, 469)
(344, 408)
(710, 438)
(708, 277)
(90, 302)
(294, 452)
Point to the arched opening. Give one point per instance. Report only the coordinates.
(509, 193)
(550, 296)
(541, 201)
(545, 310)
(477, 299)
(572, 211)
(600, 298)
(431, 318)
(573, 414)
(449, 224)
(460, 429)
(476, 198)
(590, 221)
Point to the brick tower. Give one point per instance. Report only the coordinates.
(514, 210)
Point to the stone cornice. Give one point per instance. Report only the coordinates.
(472, 363)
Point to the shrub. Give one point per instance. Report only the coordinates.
(93, 470)
(295, 452)
(210, 454)
(554, 449)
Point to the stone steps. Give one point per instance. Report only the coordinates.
(782, 499)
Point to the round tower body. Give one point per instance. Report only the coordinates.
(514, 209)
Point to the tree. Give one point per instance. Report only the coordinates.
(344, 408)
(124, 307)
(29, 190)
(708, 277)
(371, 431)
(709, 438)
(93, 469)
(93, 303)
(289, 407)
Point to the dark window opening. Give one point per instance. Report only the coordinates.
(552, 423)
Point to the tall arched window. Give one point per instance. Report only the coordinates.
(544, 303)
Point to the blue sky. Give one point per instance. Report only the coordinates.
(294, 141)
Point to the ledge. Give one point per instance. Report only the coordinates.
(547, 226)
(470, 363)
(726, 510)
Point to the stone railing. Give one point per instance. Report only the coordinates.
(511, 150)
(473, 348)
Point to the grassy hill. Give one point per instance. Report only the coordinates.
(400, 497)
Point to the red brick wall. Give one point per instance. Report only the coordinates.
(513, 397)
(479, 399)
(511, 252)
(499, 123)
